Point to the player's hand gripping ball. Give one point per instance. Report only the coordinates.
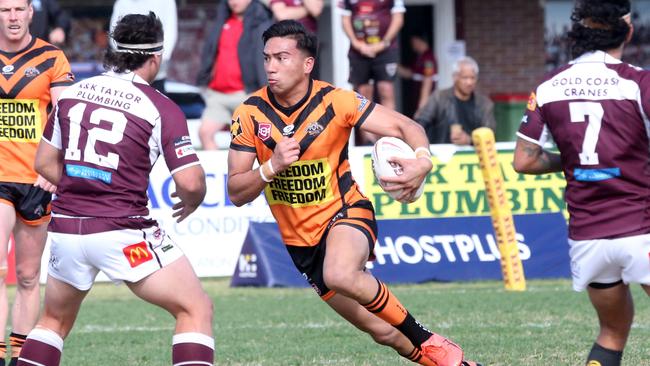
(386, 148)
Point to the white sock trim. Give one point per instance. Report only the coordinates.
(193, 363)
(46, 336)
(30, 361)
(198, 338)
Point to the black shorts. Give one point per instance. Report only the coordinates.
(32, 204)
(309, 260)
(381, 68)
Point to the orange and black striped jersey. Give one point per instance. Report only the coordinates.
(306, 196)
(26, 77)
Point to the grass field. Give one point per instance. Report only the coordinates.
(547, 325)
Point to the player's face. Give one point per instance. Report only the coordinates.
(15, 16)
(286, 66)
(418, 45)
(238, 7)
(465, 80)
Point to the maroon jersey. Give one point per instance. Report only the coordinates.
(595, 108)
(309, 22)
(424, 67)
(371, 18)
(112, 128)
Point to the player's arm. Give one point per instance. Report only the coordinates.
(396, 23)
(55, 93)
(314, 7)
(530, 158)
(425, 91)
(49, 165)
(282, 12)
(346, 22)
(355, 43)
(245, 183)
(384, 121)
(190, 189)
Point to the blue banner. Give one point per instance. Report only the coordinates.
(419, 250)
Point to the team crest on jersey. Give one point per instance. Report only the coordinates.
(31, 72)
(8, 70)
(532, 102)
(264, 131)
(362, 102)
(235, 128)
(287, 131)
(314, 129)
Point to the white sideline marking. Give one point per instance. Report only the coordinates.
(90, 328)
(93, 328)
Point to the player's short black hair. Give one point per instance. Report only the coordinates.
(306, 41)
(133, 29)
(598, 25)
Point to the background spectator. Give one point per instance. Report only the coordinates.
(304, 11)
(166, 11)
(50, 22)
(372, 27)
(450, 115)
(420, 74)
(231, 66)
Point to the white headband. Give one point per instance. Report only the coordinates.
(142, 48)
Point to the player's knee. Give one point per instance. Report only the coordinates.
(27, 278)
(202, 307)
(341, 281)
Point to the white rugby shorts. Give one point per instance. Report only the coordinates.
(123, 255)
(610, 260)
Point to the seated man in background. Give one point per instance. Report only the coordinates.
(450, 115)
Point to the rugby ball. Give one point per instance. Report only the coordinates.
(386, 148)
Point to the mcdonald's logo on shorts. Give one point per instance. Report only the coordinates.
(137, 254)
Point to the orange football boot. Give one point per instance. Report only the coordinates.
(442, 351)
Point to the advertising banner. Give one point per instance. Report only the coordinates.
(455, 188)
(412, 251)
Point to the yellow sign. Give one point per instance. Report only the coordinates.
(304, 183)
(455, 188)
(20, 120)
